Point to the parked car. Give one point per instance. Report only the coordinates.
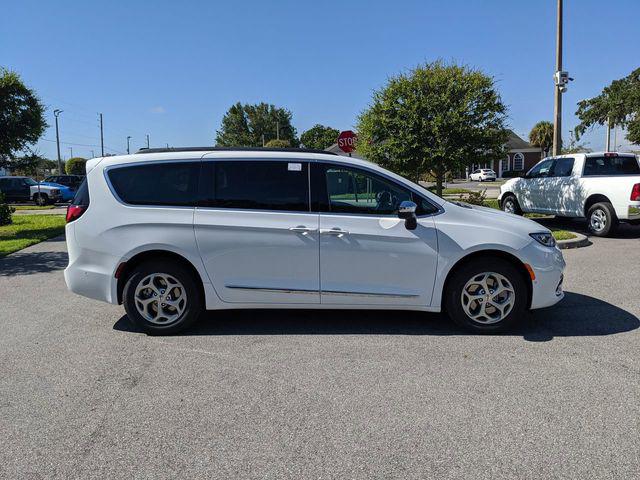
(66, 194)
(71, 181)
(602, 187)
(171, 232)
(483, 175)
(25, 189)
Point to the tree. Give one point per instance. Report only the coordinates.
(436, 118)
(275, 143)
(541, 135)
(618, 103)
(252, 125)
(22, 120)
(319, 137)
(76, 166)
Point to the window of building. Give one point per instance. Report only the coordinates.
(518, 162)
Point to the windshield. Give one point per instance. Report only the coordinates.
(30, 181)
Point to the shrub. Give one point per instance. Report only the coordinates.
(5, 211)
(75, 166)
(275, 143)
(475, 198)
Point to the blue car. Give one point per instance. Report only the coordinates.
(65, 192)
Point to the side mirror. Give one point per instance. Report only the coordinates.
(407, 212)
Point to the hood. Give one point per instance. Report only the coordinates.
(497, 219)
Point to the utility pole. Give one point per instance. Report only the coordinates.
(128, 138)
(557, 107)
(93, 154)
(71, 150)
(278, 130)
(147, 140)
(607, 143)
(101, 137)
(57, 112)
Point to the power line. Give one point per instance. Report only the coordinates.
(83, 145)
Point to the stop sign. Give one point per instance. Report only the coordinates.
(347, 141)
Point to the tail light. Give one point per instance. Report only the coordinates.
(74, 212)
(635, 193)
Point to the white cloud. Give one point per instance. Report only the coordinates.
(157, 109)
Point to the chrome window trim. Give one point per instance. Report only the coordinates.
(322, 292)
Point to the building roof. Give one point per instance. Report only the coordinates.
(514, 142)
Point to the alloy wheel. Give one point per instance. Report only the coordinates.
(488, 298)
(598, 220)
(160, 298)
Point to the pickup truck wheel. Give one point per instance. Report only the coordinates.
(41, 199)
(487, 295)
(602, 219)
(510, 205)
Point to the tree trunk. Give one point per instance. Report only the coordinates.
(439, 180)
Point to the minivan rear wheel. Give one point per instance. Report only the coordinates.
(162, 297)
(486, 295)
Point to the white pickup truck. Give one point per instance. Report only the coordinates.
(604, 188)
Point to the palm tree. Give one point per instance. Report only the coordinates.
(541, 135)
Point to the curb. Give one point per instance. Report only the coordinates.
(578, 242)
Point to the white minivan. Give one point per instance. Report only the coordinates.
(171, 232)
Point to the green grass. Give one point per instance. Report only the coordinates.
(562, 234)
(28, 230)
(33, 207)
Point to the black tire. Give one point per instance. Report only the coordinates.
(601, 219)
(41, 199)
(473, 269)
(193, 303)
(514, 201)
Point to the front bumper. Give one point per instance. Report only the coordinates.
(548, 266)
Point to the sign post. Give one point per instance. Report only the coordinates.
(347, 141)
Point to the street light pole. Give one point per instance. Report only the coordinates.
(147, 140)
(101, 137)
(57, 112)
(128, 138)
(71, 150)
(557, 107)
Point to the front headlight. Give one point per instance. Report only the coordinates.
(544, 238)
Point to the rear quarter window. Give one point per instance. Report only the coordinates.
(162, 183)
(611, 166)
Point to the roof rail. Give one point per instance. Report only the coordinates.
(231, 149)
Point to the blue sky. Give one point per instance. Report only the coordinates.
(171, 69)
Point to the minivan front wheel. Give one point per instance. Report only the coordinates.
(486, 296)
(162, 297)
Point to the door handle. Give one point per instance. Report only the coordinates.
(302, 229)
(334, 231)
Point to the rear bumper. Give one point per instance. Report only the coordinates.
(90, 273)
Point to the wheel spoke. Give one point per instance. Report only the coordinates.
(488, 298)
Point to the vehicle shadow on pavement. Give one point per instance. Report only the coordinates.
(32, 262)
(577, 315)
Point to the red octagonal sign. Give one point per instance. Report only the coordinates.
(347, 141)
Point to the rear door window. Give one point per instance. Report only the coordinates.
(562, 167)
(161, 183)
(261, 185)
(611, 166)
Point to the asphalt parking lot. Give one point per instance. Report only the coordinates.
(299, 394)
